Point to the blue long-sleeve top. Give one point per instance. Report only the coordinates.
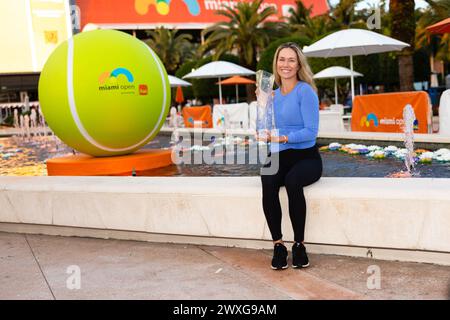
(297, 117)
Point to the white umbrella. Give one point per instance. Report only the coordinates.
(352, 42)
(336, 73)
(175, 82)
(219, 69)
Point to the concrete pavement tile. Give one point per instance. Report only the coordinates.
(295, 282)
(113, 269)
(20, 276)
(398, 280)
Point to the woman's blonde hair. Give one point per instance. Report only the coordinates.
(304, 72)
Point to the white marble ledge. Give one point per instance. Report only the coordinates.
(136, 185)
(410, 214)
(327, 187)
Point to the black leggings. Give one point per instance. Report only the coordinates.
(297, 169)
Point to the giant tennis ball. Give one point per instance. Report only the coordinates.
(104, 93)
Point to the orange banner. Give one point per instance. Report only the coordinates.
(192, 114)
(384, 112)
(176, 12)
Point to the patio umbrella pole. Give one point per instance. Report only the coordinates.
(335, 91)
(352, 78)
(237, 96)
(220, 90)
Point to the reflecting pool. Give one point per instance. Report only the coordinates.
(27, 157)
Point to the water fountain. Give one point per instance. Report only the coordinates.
(31, 143)
(173, 119)
(409, 117)
(3, 117)
(410, 156)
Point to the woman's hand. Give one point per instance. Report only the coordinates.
(270, 138)
(279, 139)
(266, 136)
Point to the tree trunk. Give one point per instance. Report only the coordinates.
(251, 95)
(403, 28)
(406, 72)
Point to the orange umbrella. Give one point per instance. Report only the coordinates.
(236, 80)
(440, 27)
(179, 98)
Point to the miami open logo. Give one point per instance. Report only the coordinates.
(365, 120)
(221, 121)
(163, 6)
(120, 79)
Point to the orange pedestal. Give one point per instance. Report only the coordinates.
(85, 165)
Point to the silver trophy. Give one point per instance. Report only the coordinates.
(265, 120)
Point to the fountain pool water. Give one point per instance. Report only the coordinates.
(20, 156)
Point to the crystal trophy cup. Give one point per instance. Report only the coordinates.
(265, 120)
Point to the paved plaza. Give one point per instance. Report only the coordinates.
(51, 267)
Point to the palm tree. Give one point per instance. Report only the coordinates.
(344, 15)
(246, 32)
(301, 15)
(403, 28)
(301, 23)
(438, 46)
(300, 20)
(171, 47)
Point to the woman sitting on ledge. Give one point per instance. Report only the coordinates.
(296, 108)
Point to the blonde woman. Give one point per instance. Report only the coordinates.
(296, 108)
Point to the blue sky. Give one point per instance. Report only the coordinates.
(369, 3)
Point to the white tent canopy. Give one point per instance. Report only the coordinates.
(336, 73)
(352, 42)
(219, 69)
(175, 82)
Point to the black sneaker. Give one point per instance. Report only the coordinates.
(280, 255)
(299, 256)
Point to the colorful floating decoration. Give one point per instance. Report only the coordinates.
(443, 158)
(376, 152)
(379, 154)
(426, 157)
(353, 152)
(390, 150)
(334, 146)
(400, 153)
(374, 148)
